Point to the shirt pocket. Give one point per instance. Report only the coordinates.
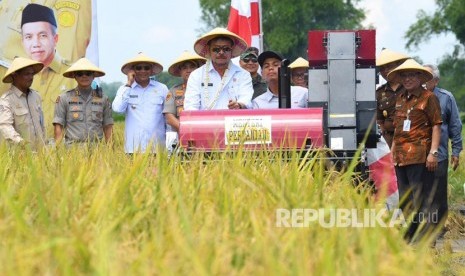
(21, 115)
(156, 104)
(75, 113)
(97, 113)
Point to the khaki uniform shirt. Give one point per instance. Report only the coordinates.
(259, 86)
(21, 117)
(174, 102)
(386, 109)
(423, 111)
(82, 119)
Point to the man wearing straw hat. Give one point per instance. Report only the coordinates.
(299, 72)
(415, 145)
(142, 100)
(219, 84)
(83, 114)
(182, 67)
(387, 93)
(21, 116)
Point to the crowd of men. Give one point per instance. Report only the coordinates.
(416, 118)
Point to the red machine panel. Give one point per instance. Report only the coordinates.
(366, 52)
(252, 129)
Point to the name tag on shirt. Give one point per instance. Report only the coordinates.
(133, 96)
(406, 125)
(209, 84)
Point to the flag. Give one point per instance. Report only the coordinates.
(382, 172)
(244, 20)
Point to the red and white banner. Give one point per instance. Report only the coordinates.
(244, 20)
(382, 173)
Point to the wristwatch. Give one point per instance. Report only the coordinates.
(435, 153)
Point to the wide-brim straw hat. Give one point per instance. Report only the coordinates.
(175, 69)
(201, 45)
(408, 66)
(141, 58)
(83, 64)
(387, 56)
(299, 63)
(20, 63)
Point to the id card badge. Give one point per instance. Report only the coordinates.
(406, 125)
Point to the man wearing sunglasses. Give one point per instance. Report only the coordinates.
(142, 100)
(83, 114)
(219, 84)
(249, 62)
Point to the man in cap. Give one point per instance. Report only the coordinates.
(299, 72)
(39, 39)
(182, 67)
(142, 100)
(270, 62)
(387, 93)
(83, 114)
(249, 62)
(21, 117)
(219, 84)
(415, 144)
(451, 129)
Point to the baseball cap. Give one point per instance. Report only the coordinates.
(268, 54)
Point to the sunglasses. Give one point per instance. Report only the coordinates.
(84, 73)
(301, 75)
(225, 49)
(144, 67)
(250, 59)
(410, 74)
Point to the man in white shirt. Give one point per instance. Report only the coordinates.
(219, 84)
(142, 100)
(270, 62)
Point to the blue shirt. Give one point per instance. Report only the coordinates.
(451, 127)
(206, 89)
(267, 100)
(145, 123)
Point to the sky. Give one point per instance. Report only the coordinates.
(164, 29)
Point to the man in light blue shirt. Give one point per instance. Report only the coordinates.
(270, 62)
(219, 84)
(142, 100)
(451, 129)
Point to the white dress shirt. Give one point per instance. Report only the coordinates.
(267, 100)
(207, 90)
(145, 123)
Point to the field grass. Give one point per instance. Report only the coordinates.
(99, 211)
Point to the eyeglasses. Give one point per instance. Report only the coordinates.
(300, 75)
(251, 59)
(410, 74)
(84, 73)
(225, 49)
(144, 67)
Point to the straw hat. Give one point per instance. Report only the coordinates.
(185, 56)
(299, 63)
(141, 58)
(83, 64)
(20, 63)
(201, 45)
(387, 56)
(410, 65)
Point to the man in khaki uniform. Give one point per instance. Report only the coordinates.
(27, 22)
(84, 113)
(21, 117)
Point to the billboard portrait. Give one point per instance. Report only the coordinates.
(54, 32)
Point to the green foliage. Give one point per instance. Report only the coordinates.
(110, 89)
(166, 78)
(286, 23)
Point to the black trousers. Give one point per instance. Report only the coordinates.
(439, 198)
(416, 194)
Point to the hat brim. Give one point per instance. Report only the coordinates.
(16, 66)
(394, 76)
(175, 70)
(156, 67)
(70, 74)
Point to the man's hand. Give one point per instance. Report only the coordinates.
(431, 163)
(454, 162)
(131, 76)
(234, 105)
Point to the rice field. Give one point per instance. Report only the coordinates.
(97, 211)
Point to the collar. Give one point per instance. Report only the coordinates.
(268, 95)
(416, 92)
(18, 92)
(57, 63)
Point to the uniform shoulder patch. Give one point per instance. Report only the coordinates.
(58, 99)
(168, 97)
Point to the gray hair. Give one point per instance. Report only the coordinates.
(435, 70)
